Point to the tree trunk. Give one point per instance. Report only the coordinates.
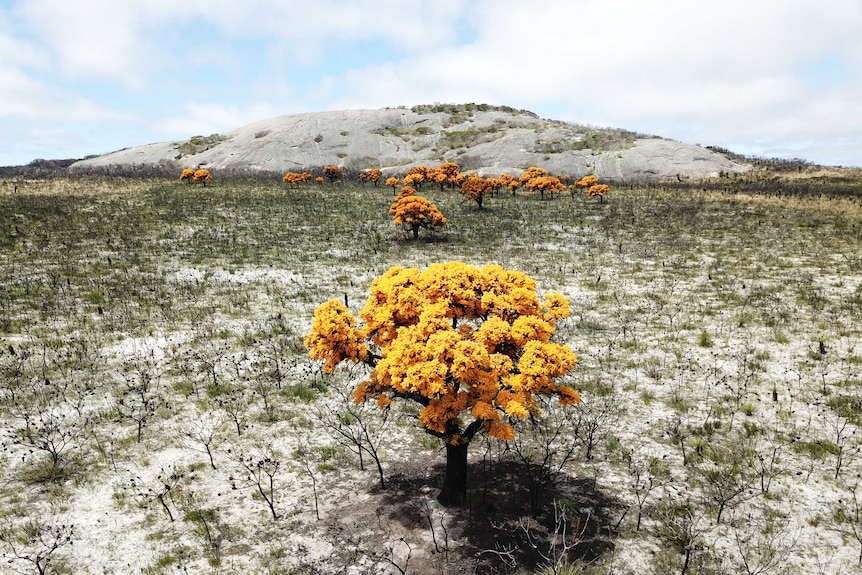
(454, 492)
(687, 559)
(416, 232)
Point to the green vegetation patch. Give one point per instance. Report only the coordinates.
(198, 144)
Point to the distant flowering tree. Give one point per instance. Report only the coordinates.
(593, 187)
(435, 176)
(496, 184)
(414, 180)
(446, 174)
(513, 184)
(530, 173)
(374, 175)
(549, 184)
(188, 175)
(332, 173)
(393, 182)
(587, 181)
(457, 180)
(451, 170)
(295, 178)
(202, 176)
(475, 188)
(598, 190)
(414, 212)
(415, 176)
(471, 346)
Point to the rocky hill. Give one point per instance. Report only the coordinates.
(488, 139)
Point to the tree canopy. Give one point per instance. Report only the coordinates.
(471, 345)
(296, 178)
(544, 184)
(202, 176)
(475, 188)
(598, 190)
(414, 212)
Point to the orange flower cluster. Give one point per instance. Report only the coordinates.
(471, 345)
(372, 175)
(587, 181)
(530, 173)
(420, 173)
(598, 190)
(451, 169)
(202, 176)
(446, 174)
(536, 179)
(414, 180)
(392, 182)
(438, 177)
(544, 184)
(503, 181)
(594, 188)
(475, 188)
(295, 178)
(335, 337)
(414, 212)
(187, 175)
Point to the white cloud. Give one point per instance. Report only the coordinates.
(729, 72)
(24, 97)
(209, 118)
(726, 71)
(90, 38)
(411, 25)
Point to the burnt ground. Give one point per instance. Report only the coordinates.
(404, 529)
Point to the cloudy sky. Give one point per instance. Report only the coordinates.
(772, 78)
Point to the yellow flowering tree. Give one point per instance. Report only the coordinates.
(374, 175)
(472, 346)
(393, 182)
(530, 173)
(593, 187)
(187, 175)
(475, 188)
(296, 178)
(414, 180)
(415, 176)
(202, 176)
(587, 181)
(544, 184)
(437, 176)
(445, 174)
(451, 170)
(414, 212)
(598, 190)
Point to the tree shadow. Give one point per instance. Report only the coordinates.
(495, 530)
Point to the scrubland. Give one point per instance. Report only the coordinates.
(159, 413)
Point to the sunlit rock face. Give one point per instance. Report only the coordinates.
(488, 139)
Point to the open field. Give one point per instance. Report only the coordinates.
(158, 410)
